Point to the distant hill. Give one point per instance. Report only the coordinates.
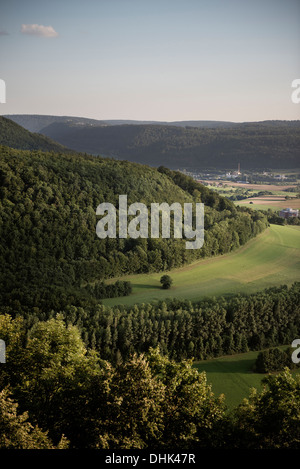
(258, 145)
(36, 122)
(15, 136)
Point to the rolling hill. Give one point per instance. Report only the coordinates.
(49, 250)
(182, 144)
(254, 145)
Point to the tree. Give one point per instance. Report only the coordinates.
(270, 419)
(16, 432)
(52, 377)
(192, 414)
(166, 281)
(273, 360)
(133, 417)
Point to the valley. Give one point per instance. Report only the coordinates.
(63, 315)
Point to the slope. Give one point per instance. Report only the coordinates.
(15, 136)
(49, 249)
(254, 145)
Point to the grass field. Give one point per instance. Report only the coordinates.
(233, 376)
(270, 259)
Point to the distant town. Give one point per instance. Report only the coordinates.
(243, 177)
(278, 191)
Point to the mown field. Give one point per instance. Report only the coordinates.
(271, 259)
(233, 376)
(274, 202)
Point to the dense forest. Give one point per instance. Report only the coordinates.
(259, 145)
(49, 248)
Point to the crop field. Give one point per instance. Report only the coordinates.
(275, 202)
(255, 187)
(270, 259)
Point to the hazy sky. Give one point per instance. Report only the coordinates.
(167, 60)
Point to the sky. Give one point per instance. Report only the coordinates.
(161, 60)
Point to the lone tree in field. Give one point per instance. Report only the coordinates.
(166, 281)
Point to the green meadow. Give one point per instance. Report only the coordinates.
(233, 376)
(270, 259)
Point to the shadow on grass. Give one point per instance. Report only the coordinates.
(139, 286)
(227, 366)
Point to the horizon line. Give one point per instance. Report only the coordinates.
(148, 120)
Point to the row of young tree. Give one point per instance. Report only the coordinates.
(102, 290)
(181, 329)
(54, 393)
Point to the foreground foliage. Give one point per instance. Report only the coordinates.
(68, 396)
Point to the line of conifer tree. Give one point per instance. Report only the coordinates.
(182, 329)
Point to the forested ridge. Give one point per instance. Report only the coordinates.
(15, 136)
(37, 122)
(49, 248)
(257, 145)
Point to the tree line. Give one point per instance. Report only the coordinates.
(102, 290)
(182, 329)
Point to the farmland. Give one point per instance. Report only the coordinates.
(274, 202)
(259, 196)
